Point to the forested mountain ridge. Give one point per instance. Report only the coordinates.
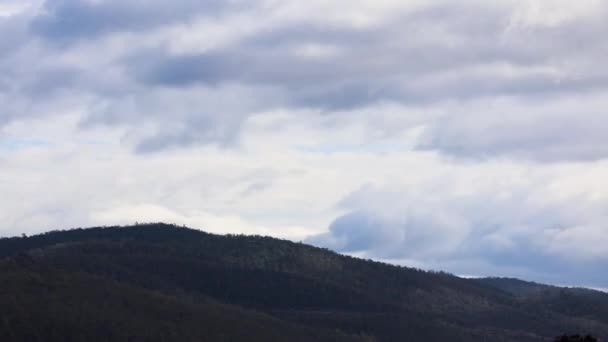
(188, 285)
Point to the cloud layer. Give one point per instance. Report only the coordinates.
(465, 136)
(547, 223)
(502, 59)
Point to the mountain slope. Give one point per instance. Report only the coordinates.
(579, 302)
(42, 303)
(302, 287)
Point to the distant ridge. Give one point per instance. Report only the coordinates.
(160, 282)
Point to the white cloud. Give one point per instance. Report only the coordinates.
(15, 7)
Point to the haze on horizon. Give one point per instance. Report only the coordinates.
(464, 136)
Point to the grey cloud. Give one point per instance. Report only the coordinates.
(356, 231)
(397, 61)
(68, 21)
(483, 233)
(13, 30)
(423, 58)
(569, 128)
(301, 84)
(199, 130)
(183, 71)
(167, 118)
(256, 188)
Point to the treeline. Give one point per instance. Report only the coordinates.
(280, 285)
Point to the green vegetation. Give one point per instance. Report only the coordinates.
(158, 282)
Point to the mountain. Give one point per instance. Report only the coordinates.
(158, 282)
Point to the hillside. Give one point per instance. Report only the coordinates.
(160, 282)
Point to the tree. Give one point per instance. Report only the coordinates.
(575, 338)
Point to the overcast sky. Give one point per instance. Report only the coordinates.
(468, 136)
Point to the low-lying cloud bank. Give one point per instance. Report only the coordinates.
(542, 224)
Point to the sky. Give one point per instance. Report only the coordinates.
(467, 136)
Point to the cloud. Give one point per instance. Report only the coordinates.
(566, 128)
(83, 178)
(519, 223)
(118, 56)
(67, 21)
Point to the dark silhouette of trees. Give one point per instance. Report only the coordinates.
(158, 282)
(575, 338)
